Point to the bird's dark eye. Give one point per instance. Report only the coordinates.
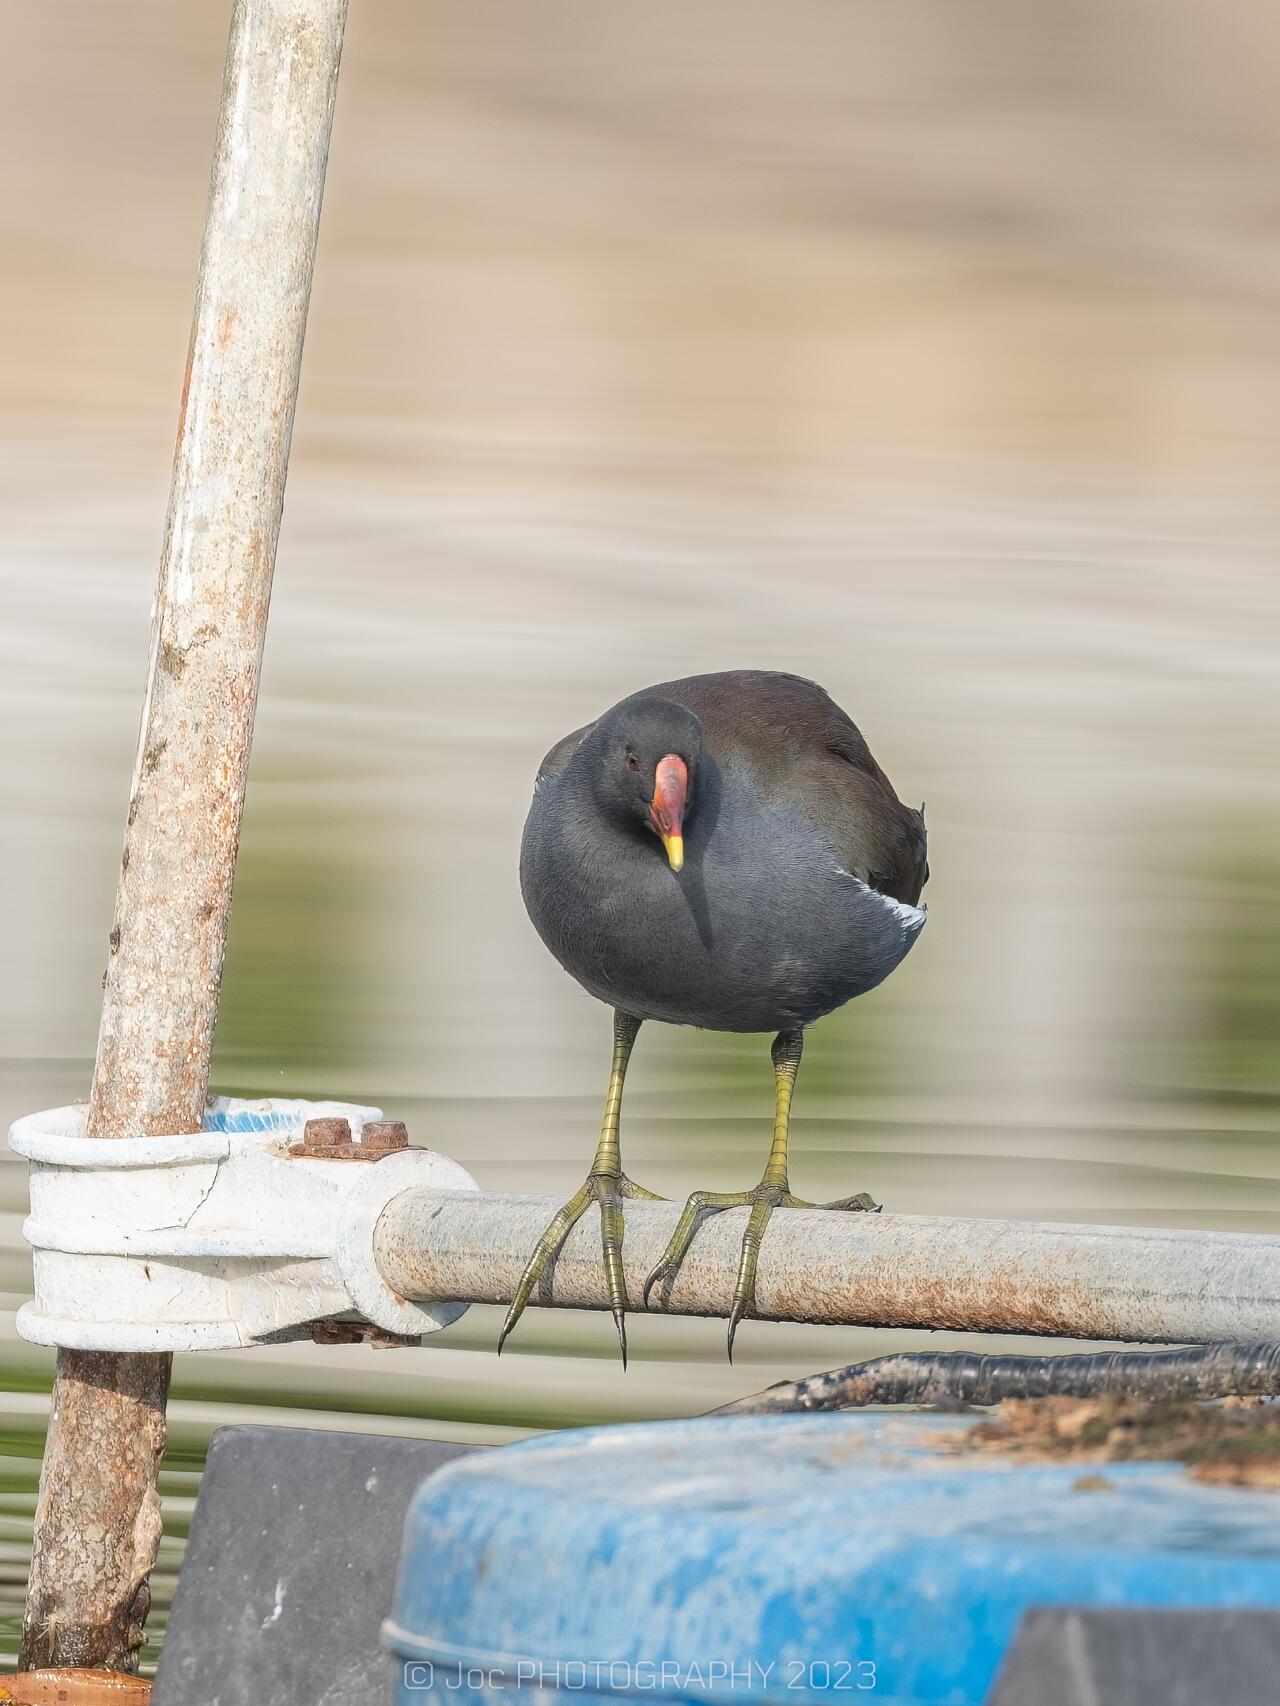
(633, 763)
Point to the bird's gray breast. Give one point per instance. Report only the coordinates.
(761, 930)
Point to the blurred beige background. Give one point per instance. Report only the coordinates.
(932, 351)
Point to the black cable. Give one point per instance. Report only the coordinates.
(959, 1377)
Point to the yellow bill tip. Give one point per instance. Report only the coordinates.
(674, 845)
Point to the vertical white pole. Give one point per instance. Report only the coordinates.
(98, 1517)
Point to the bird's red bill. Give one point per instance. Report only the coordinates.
(666, 814)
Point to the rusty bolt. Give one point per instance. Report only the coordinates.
(377, 1340)
(384, 1135)
(335, 1332)
(324, 1134)
(330, 1140)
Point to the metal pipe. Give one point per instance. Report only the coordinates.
(98, 1517)
(1146, 1284)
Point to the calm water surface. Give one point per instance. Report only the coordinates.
(945, 376)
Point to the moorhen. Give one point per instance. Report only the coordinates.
(789, 885)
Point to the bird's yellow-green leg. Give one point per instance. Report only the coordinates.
(772, 1192)
(605, 1184)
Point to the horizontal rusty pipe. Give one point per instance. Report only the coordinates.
(1145, 1284)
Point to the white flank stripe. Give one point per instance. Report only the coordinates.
(911, 918)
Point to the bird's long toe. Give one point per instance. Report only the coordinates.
(608, 1190)
(862, 1203)
(744, 1287)
(700, 1206)
(762, 1200)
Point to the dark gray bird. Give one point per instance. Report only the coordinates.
(721, 851)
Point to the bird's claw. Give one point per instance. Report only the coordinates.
(863, 1203)
(608, 1190)
(762, 1200)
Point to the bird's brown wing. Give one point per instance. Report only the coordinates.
(884, 841)
(802, 745)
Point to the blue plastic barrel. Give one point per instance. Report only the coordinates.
(790, 1559)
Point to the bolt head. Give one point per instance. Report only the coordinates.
(384, 1135)
(324, 1133)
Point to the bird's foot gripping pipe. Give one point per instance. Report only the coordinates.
(762, 1199)
(608, 1189)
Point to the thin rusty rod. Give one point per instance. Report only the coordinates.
(961, 1377)
(1142, 1284)
(98, 1516)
